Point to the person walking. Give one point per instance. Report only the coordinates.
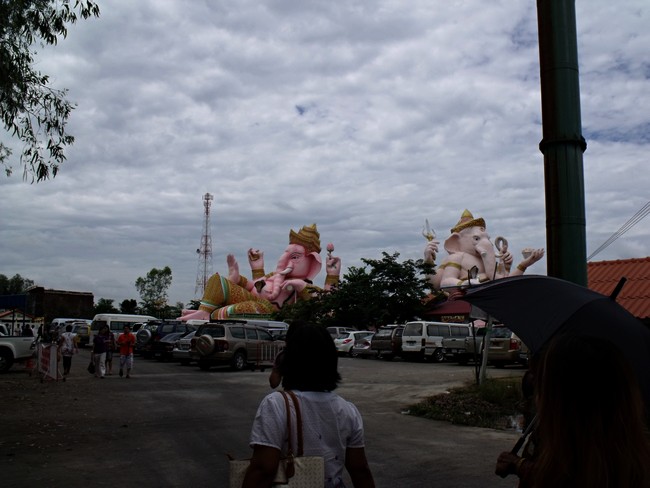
(126, 343)
(110, 349)
(68, 347)
(332, 426)
(100, 344)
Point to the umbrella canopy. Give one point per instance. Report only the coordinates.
(538, 307)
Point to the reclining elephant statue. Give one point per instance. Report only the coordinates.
(291, 281)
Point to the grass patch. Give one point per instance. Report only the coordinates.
(492, 405)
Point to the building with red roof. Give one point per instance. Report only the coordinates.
(603, 276)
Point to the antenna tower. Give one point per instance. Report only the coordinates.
(205, 251)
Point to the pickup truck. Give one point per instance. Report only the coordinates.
(14, 349)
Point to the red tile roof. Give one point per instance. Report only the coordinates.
(603, 276)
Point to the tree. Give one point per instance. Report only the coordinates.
(384, 291)
(153, 290)
(31, 109)
(104, 305)
(129, 306)
(14, 285)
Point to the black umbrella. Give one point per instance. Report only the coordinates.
(537, 307)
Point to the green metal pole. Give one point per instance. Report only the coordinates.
(562, 142)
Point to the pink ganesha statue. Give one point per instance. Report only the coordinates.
(472, 256)
(291, 281)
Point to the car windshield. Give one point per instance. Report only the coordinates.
(171, 337)
(384, 333)
(214, 331)
(189, 335)
(413, 329)
(501, 333)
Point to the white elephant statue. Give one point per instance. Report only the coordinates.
(473, 257)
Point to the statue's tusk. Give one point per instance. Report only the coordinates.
(286, 271)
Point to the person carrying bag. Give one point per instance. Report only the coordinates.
(294, 470)
(327, 426)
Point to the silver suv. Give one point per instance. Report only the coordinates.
(236, 343)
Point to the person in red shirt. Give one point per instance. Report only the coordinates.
(126, 342)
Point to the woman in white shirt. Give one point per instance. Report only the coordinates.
(332, 426)
(68, 345)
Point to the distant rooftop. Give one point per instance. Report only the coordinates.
(603, 276)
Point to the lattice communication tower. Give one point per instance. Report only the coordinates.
(205, 251)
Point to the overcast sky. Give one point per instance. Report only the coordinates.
(364, 117)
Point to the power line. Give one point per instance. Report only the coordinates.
(635, 219)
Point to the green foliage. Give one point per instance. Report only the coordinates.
(105, 305)
(31, 109)
(153, 290)
(129, 306)
(493, 404)
(172, 311)
(14, 285)
(384, 291)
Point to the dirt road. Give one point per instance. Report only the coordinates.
(171, 426)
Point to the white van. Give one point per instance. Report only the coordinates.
(116, 322)
(423, 340)
(60, 323)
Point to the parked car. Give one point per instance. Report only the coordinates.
(423, 340)
(234, 342)
(276, 328)
(346, 340)
(150, 333)
(504, 348)
(162, 349)
(387, 341)
(454, 345)
(337, 331)
(82, 329)
(362, 347)
(182, 346)
(524, 355)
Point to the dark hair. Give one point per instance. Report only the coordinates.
(68, 328)
(591, 426)
(310, 360)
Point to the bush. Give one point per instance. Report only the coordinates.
(492, 405)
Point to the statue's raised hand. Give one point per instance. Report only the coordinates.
(531, 256)
(430, 252)
(333, 265)
(256, 258)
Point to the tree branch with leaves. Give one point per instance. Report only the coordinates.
(153, 290)
(32, 111)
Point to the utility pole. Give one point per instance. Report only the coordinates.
(562, 142)
(204, 270)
